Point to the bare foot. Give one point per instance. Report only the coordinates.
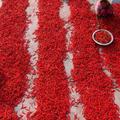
(92, 8)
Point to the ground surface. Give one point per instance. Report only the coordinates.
(29, 105)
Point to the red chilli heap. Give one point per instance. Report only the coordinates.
(14, 58)
(95, 88)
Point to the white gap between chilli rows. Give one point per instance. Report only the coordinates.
(28, 104)
(76, 109)
(1, 1)
(109, 74)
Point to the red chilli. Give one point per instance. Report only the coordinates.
(52, 92)
(112, 53)
(95, 88)
(103, 37)
(14, 57)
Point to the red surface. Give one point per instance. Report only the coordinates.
(52, 94)
(52, 88)
(102, 37)
(95, 88)
(14, 58)
(112, 53)
(7, 113)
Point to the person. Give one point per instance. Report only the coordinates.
(103, 8)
